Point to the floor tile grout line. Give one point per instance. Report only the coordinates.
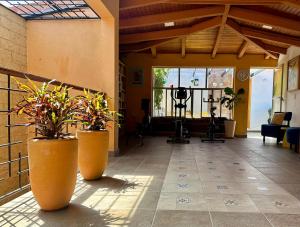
(267, 219)
(153, 220)
(211, 219)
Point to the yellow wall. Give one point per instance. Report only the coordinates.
(81, 52)
(146, 61)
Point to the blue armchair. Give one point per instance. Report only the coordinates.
(275, 131)
(293, 137)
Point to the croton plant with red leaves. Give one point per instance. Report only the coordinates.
(93, 111)
(48, 107)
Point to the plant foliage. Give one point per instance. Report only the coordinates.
(93, 111)
(48, 107)
(160, 78)
(231, 98)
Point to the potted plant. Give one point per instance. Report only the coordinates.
(229, 101)
(53, 155)
(93, 139)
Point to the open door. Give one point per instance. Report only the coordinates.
(261, 88)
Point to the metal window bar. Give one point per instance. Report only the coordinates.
(215, 92)
(50, 9)
(10, 142)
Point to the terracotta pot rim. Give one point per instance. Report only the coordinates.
(36, 140)
(92, 131)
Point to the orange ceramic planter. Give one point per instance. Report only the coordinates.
(53, 171)
(92, 153)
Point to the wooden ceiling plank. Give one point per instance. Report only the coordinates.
(249, 15)
(268, 47)
(268, 56)
(183, 47)
(243, 49)
(131, 4)
(292, 3)
(271, 36)
(170, 33)
(224, 2)
(154, 51)
(171, 17)
(237, 29)
(220, 32)
(143, 46)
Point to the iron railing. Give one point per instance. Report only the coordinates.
(196, 105)
(6, 167)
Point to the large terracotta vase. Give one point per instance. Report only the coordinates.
(230, 126)
(53, 171)
(93, 153)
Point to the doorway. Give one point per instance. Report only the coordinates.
(261, 87)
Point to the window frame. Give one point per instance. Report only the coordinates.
(179, 79)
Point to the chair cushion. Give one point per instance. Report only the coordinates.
(271, 130)
(277, 118)
(293, 135)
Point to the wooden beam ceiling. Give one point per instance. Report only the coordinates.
(221, 12)
(243, 49)
(143, 46)
(220, 32)
(130, 4)
(170, 33)
(153, 52)
(292, 3)
(172, 16)
(271, 36)
(268, 47)
(237, 29)
(183, 47)
(249, 15)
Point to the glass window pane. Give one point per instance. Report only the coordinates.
(205, 107)
(220, 77)
(193, 77)
(159, 102)
(165, 77)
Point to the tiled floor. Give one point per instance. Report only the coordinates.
(240, 183)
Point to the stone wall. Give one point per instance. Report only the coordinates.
(13, 55)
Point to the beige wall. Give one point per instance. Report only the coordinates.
(292, 101)
(146, 61)
(68, 50)
(81, 52)
(12, 56)
(12, 40)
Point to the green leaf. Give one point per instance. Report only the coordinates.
(228, 91)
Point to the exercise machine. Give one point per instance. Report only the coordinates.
(180, 97)
(212, 123)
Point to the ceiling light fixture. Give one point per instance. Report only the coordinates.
(170, 24)
(267, 27)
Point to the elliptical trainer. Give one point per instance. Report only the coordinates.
(180, 99)
(212, 123)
